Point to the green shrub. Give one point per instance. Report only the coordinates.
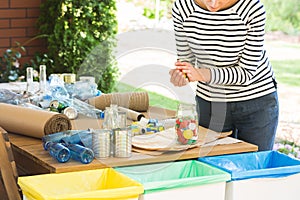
(81, 38)
(283, 16)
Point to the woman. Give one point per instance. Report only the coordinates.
(220, 44)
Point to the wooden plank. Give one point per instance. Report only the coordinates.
(3, 195)
(7, 172)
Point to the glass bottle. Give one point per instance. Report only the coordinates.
(43, 79)
(186, 124)
(29, 79)
(80, 153)
(58, 151)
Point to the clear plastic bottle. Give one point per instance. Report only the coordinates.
(58, 151)
(80, 153)
(70, 80)
(8, 96)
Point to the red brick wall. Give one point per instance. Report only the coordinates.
(18, 24)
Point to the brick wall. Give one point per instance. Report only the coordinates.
(18, 24)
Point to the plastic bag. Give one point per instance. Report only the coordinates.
(263, 164)
(162, 176)
(91, 184)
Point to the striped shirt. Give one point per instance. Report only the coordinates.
(230, 43)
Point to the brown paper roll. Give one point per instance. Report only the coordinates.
(30, 122)
(137, 101)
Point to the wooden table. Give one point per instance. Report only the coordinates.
(32, 159)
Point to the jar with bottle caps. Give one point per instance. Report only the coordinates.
(186, 124)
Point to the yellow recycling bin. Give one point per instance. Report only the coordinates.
(90, 184)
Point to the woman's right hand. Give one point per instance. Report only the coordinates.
(178, 78)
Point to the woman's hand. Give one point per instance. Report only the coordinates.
(177, 78)
(192, 73)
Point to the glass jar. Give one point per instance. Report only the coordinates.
(186, 124)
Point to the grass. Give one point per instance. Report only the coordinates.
(287, 72)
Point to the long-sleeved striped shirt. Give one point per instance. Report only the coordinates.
(230, 43)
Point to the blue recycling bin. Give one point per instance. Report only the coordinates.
(259, 175)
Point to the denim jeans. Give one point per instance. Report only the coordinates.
(254, 121)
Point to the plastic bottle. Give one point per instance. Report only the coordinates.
(69, 80)
(57, 137)
(57, 88)
(83, 138)
(10, 97)
(80, 153)
(58, 151)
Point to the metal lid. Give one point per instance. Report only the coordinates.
(69, 78)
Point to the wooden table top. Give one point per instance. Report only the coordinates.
(31, 158)
(32, 149)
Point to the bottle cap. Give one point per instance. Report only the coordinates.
(70, 112)
(69, 78)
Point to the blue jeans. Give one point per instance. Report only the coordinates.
(254, 121)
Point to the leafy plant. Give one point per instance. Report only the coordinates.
(283, 16)
(10, 68)
(36, 61)
(81, 38)
(9, 65)
(288, 148)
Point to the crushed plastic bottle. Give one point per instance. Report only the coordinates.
(10, 97)
(57, 89)
(84, 90)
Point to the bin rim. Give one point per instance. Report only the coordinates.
(158, 185)
(274, 172)
(134, 189)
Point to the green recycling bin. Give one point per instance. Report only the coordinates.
(179, 180)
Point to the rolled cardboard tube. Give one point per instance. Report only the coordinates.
(31, 122)
(137, 101)
(131, 114)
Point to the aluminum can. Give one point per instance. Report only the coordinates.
(55, 105)
(122, 140)
(101, 143)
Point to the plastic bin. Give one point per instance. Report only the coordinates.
(259, 175)
(91, 184)
(179, 180)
